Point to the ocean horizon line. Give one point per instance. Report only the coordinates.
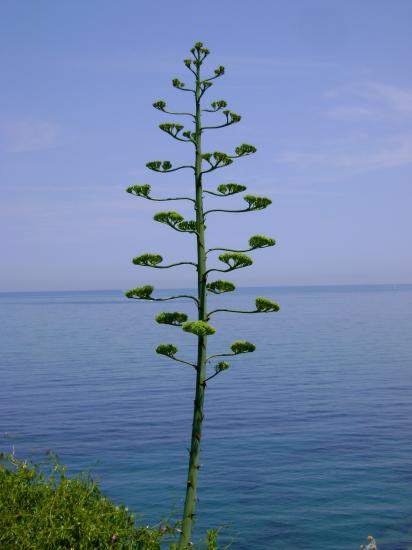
(376, 286)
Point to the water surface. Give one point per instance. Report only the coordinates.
(307, 442)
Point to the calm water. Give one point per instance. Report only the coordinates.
(307, 442)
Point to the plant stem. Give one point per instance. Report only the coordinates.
(194, 460)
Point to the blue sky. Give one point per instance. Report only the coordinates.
(325, 92)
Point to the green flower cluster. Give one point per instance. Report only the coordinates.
(217, 158)
(170, 128)
(178, 83)
(199, 328)
(222, 365)
(217, 105)
(265, 305)
(257, 203)
(230, 188)
(160, 105)
(242, 347)
(245, 149)
(150, 260)
(141, 293)
(235, 260)
(220, 286)
(139, 190)
(176, 221)
(159, 166)
(166, 349)
(175, 318)
(233, 116)
(259, 241)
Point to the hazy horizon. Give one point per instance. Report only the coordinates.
(392, 286)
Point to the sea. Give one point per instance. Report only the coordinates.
(307, 442)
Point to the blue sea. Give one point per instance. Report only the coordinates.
(307, 442)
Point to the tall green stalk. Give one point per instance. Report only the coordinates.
(232, 258)
(194, 455)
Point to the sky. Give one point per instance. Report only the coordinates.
(325, 93)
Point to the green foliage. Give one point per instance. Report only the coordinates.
(189, 135)
(218, 105)
(257, 203)
(160, 105)
(242, 347)
(245, 149)
(169, 218)
(199, 328)
(199, 53)
(148, 259)
(233, 117)
(260, 241)
(235, 260)
(217, 159)
(174, 318)
(205, 84)
(176, 221)
(159, 165)
(222, 365)
(187, 225)
(166, 349)
(142, 293)
(170, 128)
(220, 286)
(139, 190)
(43, 509)
(265, 305)
(230, 188)
(177, 83)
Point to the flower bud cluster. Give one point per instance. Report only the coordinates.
(222, 365)
(235, 260)
(230, 188)
(159, 166)
(245, 149)
(175, 318)
(148, 260)
(220, 286)
(265, 305)
(160, 105)
(260, 241)
(176, 221)
(171, 128)
(166, 349)
(142, 293)
(178, 83)
(217, 105)
(139, 190)
(242, 347)
(199, 328)
(257, 203)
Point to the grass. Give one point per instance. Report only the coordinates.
(41, 508)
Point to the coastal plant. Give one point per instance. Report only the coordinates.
(203, 164)
(42, 508)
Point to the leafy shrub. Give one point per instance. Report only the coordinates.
(41, 508)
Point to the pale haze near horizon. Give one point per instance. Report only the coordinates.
(325, 92)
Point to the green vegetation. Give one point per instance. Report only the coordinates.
(202, 163)
(41, 508)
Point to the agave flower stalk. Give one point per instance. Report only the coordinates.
(231, 259)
